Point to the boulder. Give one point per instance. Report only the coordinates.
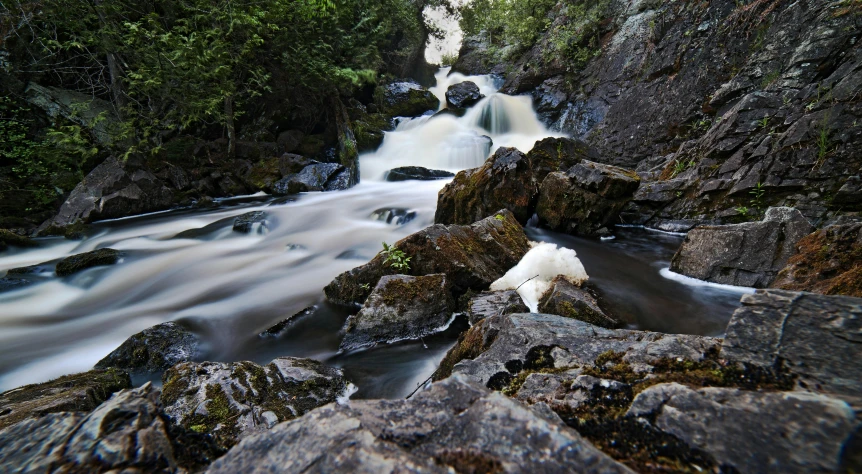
(78, 392)
(748, 254)
(753, 431)
(400, 307)
(509, 180)
(83, 261)
(404, 99)
(394, 215)
(154, 349)
(586, 198)
(463, 95)
(265, 173)
(455, 426)
(493, 303)
(246, 223)
(818, 338)
(313, 177)
(471, 257)
(827, 262)
(566, 299)
(9, 238)
(233, 400)
(369, 130)
(419, 173)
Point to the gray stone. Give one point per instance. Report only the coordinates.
(314, 177)
(153, 349)
(83, 261)
(462, 95)
(394, 215)
(405, 99)
(247, 222)
(418, 173)
(565, 299)
(493, 303)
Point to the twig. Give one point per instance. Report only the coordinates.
(525, 281)
(419, 386)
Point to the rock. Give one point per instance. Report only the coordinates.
(265, 173)
(400, 307)
(369, 128)
(818, 338)
(8, 284)
(455, 426)
(233, 400)
(566, 299)
(405, 99)
(247, 222)
(9, 238)
(585, 198)
(462, 95)
(493, 303)
(394, 215)
(827, 262)
(471, 257)
(405, 173)
(78, 392)
(289, 140)
(754, 431)
(748, 254)
(346, 152)
(153, 350)
(313, 177)
(477, 57)
(83, 261)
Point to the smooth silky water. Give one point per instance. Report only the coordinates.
(189, 266)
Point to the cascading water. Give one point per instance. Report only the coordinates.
(189, 266)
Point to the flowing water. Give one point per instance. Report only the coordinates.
(189, 266)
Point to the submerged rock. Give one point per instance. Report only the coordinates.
(566, 299)
(246, 223)
(419, 173)
(314, 177)
(233, 400)
(471, 257)
(827, 262)
(394, 215)
(9, 284)
(405, 99)
(493, 303)
(464, 94)
(83, 261)
(153, 349)
(748, 254)
(77, 392)
(400, 307)
(473, 430)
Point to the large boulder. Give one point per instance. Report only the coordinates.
(748, 254)
(405, 99)
(493, 303)
(509, 180)
(455, 426)
(566, 299)
(827, 261)
(400, 307)
(266, 172)
(462, 95)
(248, 222)
(233, 400)
(154, 349)
(471, 257)
(418, 173)
(585, 198)
(78, 392)
(83, 261)
(314, 177)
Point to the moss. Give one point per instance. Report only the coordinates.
(174, 387)
(10, 238)
(828, 261)
(80, 262)
(399, 293)
(471, 344)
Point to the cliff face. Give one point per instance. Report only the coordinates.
(723, 109)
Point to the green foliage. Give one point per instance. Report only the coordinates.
(757, 196)
(395, 257)
(448, 59)
(576, 41)
(521, 22)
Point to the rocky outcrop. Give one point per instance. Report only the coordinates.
(314, 177)
(471, 256)
(83, 261)
(154, 349)
(419, 173)
(266, 172)
(571, 301)
(827, 261)
(246, 223)
(748, 254)
(493, 303)
(233, 400)
(391, 436)
(9, 238)
(463, 95)
(405, 99)
(400, 307)
(78, 392)
(477, 57)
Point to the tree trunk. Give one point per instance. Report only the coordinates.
(231, 128)
(116, 84)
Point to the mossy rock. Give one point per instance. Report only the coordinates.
(153, 349)
(404, 99)
(9, 238)
(83, 261)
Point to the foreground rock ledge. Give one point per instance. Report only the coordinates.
(153, 349)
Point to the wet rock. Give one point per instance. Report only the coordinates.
(153, 349)
(753, 431)
(476, 57)
(827, 262)
(247, 222)
(313, 177)
(586, 198)
(233, 400)
(395, 216)
(454, 426)
(748, 254)
(493, 303)
(9, 284)
(282, 325)
(83, 261)
(419, 173)
(405, 99)
(78, 392)
(471, 257)
(369, 130)
(400, 307)
(816, 337)
(566, 299)
(265, 173)
(462, 95)
(9, 238)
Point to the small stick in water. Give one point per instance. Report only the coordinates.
(525, 281)
(422, 384)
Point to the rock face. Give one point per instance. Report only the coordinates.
(827, 262)
(476, 57)
(748, 254)
(509, 179)
(398, 436)
(8, 238)
(232, 400)
(246, 223)
(419, 173)
(493, 303)
(314, 177)
(153, 350)
(405, 99)
(566, 299)
(462, 95)
(265, 173)
(400, 307)
(83, 261)
(585, 198)
(78, 392)
(471, 257)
